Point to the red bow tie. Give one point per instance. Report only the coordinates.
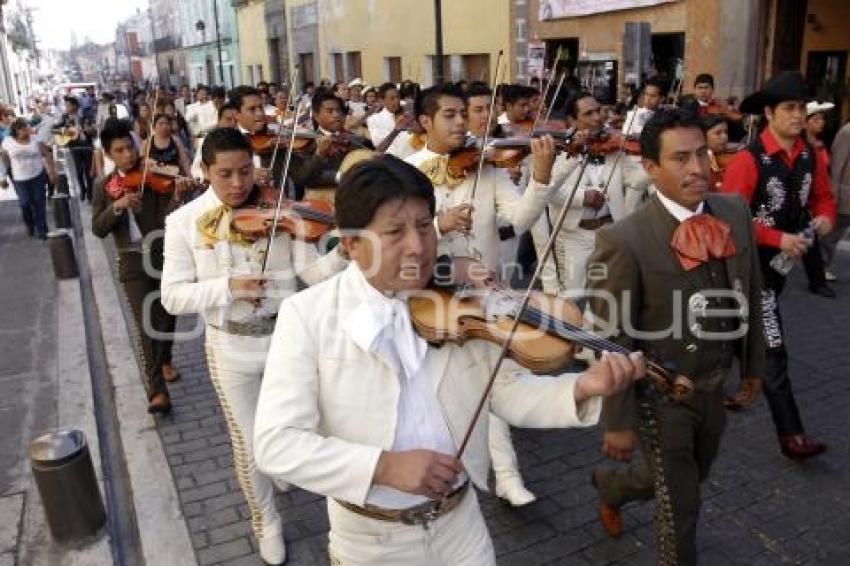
(701, 237)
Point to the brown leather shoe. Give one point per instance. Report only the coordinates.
(169, 373)
(159, 403)
(609, 516)
(800, 446)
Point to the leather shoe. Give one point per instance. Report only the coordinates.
(170, 374)
(159, 403)
(800, 446)
(609, 516)
(824, 291)
(273, 549)
(514, 492)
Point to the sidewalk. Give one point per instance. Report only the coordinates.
(759, 508)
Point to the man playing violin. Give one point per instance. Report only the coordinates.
(610, 188)
(650, 98)
(251, 121)
(216, 271)
(134, 216)
(383, 123)
(680, 281)
(358, 407)
(226, 119)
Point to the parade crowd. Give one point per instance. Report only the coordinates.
(354, 252)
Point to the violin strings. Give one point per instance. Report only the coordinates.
(570, 332)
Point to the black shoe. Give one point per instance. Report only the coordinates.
(823, 291)
(30, 230)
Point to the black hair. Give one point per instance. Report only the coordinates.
(689, 102)
(513, 93)
(704, 78)
(159, 116)
(323, 95)
(218, 92)
(202, 87)
(409, 90)
(661, 121)
(478, 89)
(238, 95)
(225, 107)
(428, 101)
(114, 129)
(653, 82)
(223, 139)
(385, 88)
(371, 183)
(17, 125)
(72, 100)
(711, 120)
(571, 105)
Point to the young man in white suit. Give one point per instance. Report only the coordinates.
(357, 407)
(212, 270)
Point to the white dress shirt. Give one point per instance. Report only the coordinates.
(380, 126)
(678, 211)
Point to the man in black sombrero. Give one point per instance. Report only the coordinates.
(788, 188)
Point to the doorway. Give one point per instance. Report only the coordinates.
(668, 53)
(825, 72)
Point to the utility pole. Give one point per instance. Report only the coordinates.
(154, 45)
(438, 42)
(218, 43)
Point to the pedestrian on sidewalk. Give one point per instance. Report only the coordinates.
(788, 189)
(134, 217)
(215, 271)
(840, 165)
(30, 164)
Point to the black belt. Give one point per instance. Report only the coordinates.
(595, 223)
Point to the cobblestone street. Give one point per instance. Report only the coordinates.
(759, 508)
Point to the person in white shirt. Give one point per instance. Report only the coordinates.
(650, 98)
(359, 408)
(30, 164)
(387, 122)
(202, 115)
(215, 271)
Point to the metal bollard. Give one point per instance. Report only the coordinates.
(62, 186)
(63, 471)
(62, 253)
(61, 210)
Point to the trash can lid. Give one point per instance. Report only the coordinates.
(57, 446)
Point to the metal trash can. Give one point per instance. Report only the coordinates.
(63, 471)
(62, 253)
(61, 204)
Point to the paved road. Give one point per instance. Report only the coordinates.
(27, 365)
(759, 507)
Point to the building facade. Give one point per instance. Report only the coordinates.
(134, 55)
(168, 43)
(391, 40)
(201, 39)
(253, 44)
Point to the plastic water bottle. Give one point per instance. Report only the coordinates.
(782, 262)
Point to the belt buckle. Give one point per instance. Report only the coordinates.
(420, 515)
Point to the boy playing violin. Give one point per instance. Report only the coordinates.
(134, 215)
(212, 269)
(357, 407)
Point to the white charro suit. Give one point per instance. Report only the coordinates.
(328, 408)
(195, 279)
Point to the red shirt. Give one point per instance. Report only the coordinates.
(741, 176)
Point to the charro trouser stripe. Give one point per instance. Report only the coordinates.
(236, 370)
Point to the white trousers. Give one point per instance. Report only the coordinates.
(236, 365)
(502, 452)
(459, 538)
(572, 250)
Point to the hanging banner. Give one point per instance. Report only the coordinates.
(556, 9)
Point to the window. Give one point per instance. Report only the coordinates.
(305, 64)
(339, 72)
(260, 77)
(476, 67)
(354, 65)
(249, 72)
(392, 69)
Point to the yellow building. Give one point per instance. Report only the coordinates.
(253, 43)
(391, 40)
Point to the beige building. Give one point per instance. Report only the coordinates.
(253, 44)
(391, 40)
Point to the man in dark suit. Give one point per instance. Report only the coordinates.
(131, 216)
(678, 279)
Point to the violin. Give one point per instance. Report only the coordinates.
(265, 142)
(504, 153)
(306, 220)
(160, 182)
(547, 337)
(720, 108)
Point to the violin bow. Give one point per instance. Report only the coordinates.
(538, 271)
(280, 126)
(548, 84)
(554, 98)
(620, 151)
(487, 130)
(149, 143)
(283, 180)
